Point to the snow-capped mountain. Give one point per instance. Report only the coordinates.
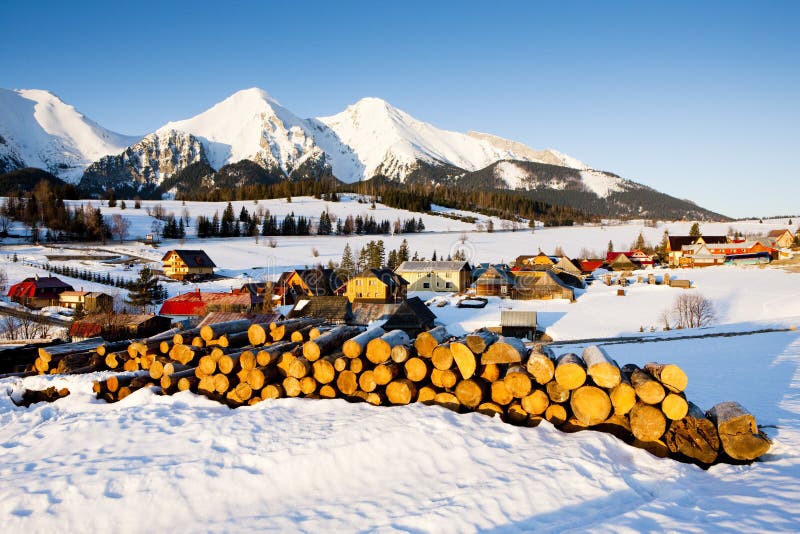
(37, 129)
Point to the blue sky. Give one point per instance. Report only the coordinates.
(697, 99)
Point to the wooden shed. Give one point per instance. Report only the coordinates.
(518, 323)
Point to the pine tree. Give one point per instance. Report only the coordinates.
(392, 263)
(226, 227)
(348, 264)
(640, 243)
(112, 199)
(694, 231)
(420, 225)
(610, 247)
(433, 258)
(145, 290)
(325, 226)
(402, 252)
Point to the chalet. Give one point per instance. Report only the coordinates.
(89, 301)
(331, 309)
(629, 260)
(676, 243)
(38, 292)
(375, 285)
(316, 282)
(781, 238)
(546, 287)
(743, 252)
(699, 256)
(187, 265)
(412, 316)
(445, 276)
(195, 304)
(494, 280)
(118, 326)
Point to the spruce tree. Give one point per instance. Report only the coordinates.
(348, 264)
(145, 290)
(694, 231)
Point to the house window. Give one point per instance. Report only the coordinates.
(448, 285)
(426, 285)
(359, 294)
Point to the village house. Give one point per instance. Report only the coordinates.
(493, 280)
(737, 253)
(187, 265)
(411, 316)
(590, 266)
(375, 285)
(781, 238)
(299, 283)
(38, 292)
(89, 301)
(546, 287)
(195, 304)
(333, 309)
(675, 244)
(447, 276)
(568, 266)
(118, 326)
(537, 262)
(629, 260)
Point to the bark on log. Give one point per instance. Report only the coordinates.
(213, 331)
(185, 337)
(401, 391)
(283, 329)
(695, 437)
(570, 371)
(518, 381)
(647, 422)
(52, 351)
(301, 334)
(738, 432)
(318, 331)
(505, 350)
(427, 341)
(516, 414)
(270, 354)
(234, 340)
(480, 340)
(379, 350)
(540, 366)
(657, 447)
(328, 342)
(355, 346)
(465, 358)
(471, 392)
(33, 396)
(600, 367)
(590, 405)
(670, 375)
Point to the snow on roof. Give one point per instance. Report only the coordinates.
(425, 266)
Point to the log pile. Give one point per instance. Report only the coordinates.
(239, 363)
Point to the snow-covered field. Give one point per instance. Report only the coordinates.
(184, 462)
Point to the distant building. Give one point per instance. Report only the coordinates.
(90, 301)
(781, 238)
(675, 244)
(299, 283)
(195, 304)
(38, 292)
(742, 252)
(629, 260)
(412, 316)
(376, 285)
(538, 262)
(494, 280)
(443, 276)
(518, 323)
(331, 309)
(546, 287)
(590, 266)
(118, 326)
(187, 265)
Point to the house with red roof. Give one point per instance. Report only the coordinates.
(195, 304)
(38, 292)
(629, 259)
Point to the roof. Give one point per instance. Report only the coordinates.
(223, 317)
(501, 269)
(676, 242)
(320, 281)
(365, 313)
(588, 266)
(192, 258)
(550, 278)
(525, 318)
(411, 314)
(46, 285)
(91, 327)
(195, 302)
(567, 264)
(778, 233)
(85, 328)
(385, 275)
(329, 308)
(74, 293)
(426, 266)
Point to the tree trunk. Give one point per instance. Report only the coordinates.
(570, 371)
(280, 331)
(540, 366)
(328, 342)
(185, 337)
(599, 365)
(536, 402)
(401, 353)
(590, 405)
(52, 351)
(694, 437)
(518, 381)
(647, 422)
(213, 331)
(379, 350)
(302, 334)
(442, 357)
(675, 406)
(623, 396)
(505, 350)
(300, 368)
(427, 341)
(416, 369)
(465, 359)
(386, 372)
(401, 391)
(355, 346)
(471, 392)
(648, 389)
(480, 340)
(738, 432)
(670, 375)
(270, 354)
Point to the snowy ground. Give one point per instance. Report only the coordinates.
(153, 462)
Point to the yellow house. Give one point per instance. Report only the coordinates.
(187, 264)
(447, 276)
(376, 285)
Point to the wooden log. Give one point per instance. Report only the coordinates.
(648, 389)
(471, 392)
(657, 447)
(480, 340)
(623, 396)
(401, 353)
(540, 366)
(347, 382)
(500, 393)
(317, 331)
(356, 365)
(300, 368)
(33, 396)
(291, 386)
(106, 347)
(283, 329)
(366, 381)
(357, 345)
(670, 375)
(570, 371)
(401, 391)
(324, 371)
(675, 406)
(185, 353)
(447, 400)
(442, 357)
(269, 355)
(616, 425)
(427, 341)
(285, 360)
(489, 372)
(444, 379)
(221, 383)
(600, 367)
(647, 422)
(379, 350)
(248, 360)
(536, 402)
(227, 362)
(51, 351)
(185, 337)
(258, 333)
(308, 385)
(112, 359)
(518, 381)
(234, 340)
(426, 394)
(213, 331)
(590, 405)
(198, 342)
(556, 414)
(272, 391)
(505, 350)
(416, 369)
(490, 408)
(327, 391)
(301, 335)
(207, 364)
(206, 384)
(738, 433)
(385, 373)
(694, 437)
(516, 414)
(328, 342)
(556, 393)
(465, 359)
